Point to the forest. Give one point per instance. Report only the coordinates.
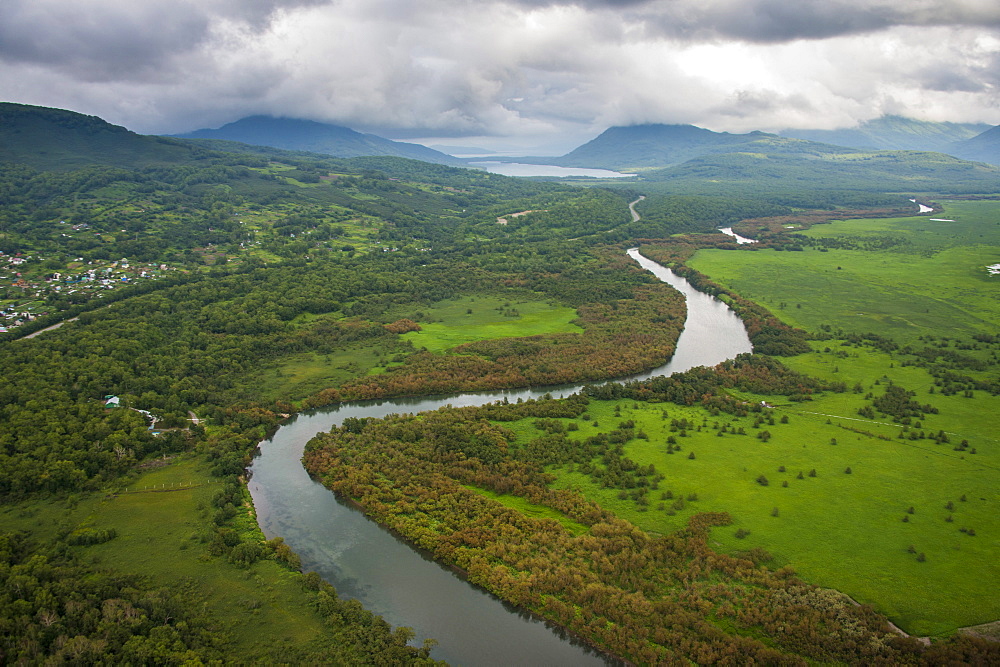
(292, 281)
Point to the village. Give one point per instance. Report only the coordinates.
(30, 289)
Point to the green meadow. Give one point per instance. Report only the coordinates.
(907, 279)
(302, 375)
(837, 529)
(898, 277)
(163, 527)
(446, 324)
(532, 510)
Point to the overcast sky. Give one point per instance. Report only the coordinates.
(529, 74)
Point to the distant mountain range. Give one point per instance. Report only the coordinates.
(689, 159)
(653, 146)
(983, 147)
(656, 146)
(681, 158)
(307, 135)
(895, 133)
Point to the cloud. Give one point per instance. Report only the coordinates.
(524, 70)
(771, 21)
(104, 40)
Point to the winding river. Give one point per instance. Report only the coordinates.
(364, 561)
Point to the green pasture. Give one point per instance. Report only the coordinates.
(446, 324)
(443, 326)
(934, 280)
(837, 529)
(531, 510)
(298, 376)
(163, 527)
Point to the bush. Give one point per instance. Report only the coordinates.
(245, 554)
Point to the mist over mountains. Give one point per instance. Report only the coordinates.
(895, 133)
(684, 155)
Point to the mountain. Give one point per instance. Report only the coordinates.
(308, 135)
(983, 147)
(645, 146)
(868, 171)
(894, 133)
(56, 139)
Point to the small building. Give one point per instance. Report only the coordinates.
(112, 402)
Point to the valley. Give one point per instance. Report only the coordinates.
(725, 511)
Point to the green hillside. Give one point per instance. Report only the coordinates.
(642, 146)
(895, 133)
(307, 135)
(55, 139)
(983, 147)
(880, 171)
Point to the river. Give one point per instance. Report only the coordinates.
(728, 231)
(364, 561)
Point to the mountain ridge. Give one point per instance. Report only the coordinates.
(315, 137)
(635, 147)
(983, 147)
(58, 139)
(892, 132)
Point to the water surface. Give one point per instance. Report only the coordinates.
(400, 583)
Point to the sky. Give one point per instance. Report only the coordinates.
(539, 76)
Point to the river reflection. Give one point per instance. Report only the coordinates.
(402, 584)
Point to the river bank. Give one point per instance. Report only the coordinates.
(365, 561)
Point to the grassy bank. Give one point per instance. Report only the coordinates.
(896, 277)
(787, 486)
(163, 526)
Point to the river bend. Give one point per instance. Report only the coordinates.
(392, 579)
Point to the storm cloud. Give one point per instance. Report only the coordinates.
(525, 72)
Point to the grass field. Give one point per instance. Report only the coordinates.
(456, 321)
(931, 277)
(531, 510)
(305, 374)
(839, 530)
(443, 326)
(162, 526)
(901, 278)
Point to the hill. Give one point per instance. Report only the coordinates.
(60, 140)
(684, 159)
(875, 171)
(983, 147)
(643, 146)
(308, 135)
(894, 133)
